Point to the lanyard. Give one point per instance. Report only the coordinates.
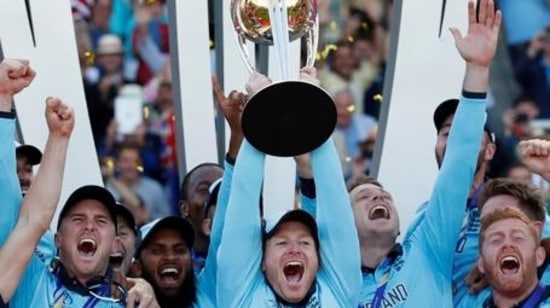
(379, 294)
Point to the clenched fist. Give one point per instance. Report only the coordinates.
(59, 117)
(15, 75)
(535, 155)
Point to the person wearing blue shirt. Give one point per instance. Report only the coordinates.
(510, 253)
(391, 276)
(501, 194)
(301, 263)
(41, 201)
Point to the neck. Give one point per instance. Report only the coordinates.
(509, 300)
(201, 244)
(372, 254)
(129, 180)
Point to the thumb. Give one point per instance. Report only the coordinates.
(456, 34)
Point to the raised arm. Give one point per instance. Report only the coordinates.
(40, 202)
(337, 233)
(240, 251)
(15, 75)
(231, 107)
(445, 209)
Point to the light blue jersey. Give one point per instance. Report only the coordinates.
(421, 275)
(10, 190)
(240, 280)
(43, 285)
(207, 280)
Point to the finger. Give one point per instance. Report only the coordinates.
(31, 74)
(53, 103)
(498, 21)
(471, 13)
(130, 283)
(482, 17)
(456, 34)
(131, 301)
(145, 301)
(490, 14)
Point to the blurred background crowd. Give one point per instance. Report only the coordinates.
(124, 57)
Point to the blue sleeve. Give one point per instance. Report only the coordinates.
(10, 191)
(445, 210)
(32, 278)
(207, 279)
(240, 251)
(338, 238)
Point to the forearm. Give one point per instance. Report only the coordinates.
(15, 255)
(5, 103)
(476, 79)
(129, 198)
(235, 142)
(41, 201)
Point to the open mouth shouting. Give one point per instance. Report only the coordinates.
(509, 265)
(169, 275)
(116, 259)
(379, 211)
(293, 271)
(87, 247)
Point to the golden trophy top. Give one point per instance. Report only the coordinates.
(251, 19)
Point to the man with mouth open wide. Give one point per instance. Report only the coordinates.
(293, 260)
(418, 273)
(509, 255)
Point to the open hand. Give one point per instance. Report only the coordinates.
(479, 44)
(309, 74)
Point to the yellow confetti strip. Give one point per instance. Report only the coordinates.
(325, 52)
(348, 159)
(378, 98)
(333, 25)
(90, 57)
(110, 164)
(146, 112)
(139, 168)
(210, 44)
(350, 39)
(364, 25)
(351, 108)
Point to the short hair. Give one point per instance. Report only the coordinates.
(506, 213)
(187, 177)
(360, 180)
(530, 199)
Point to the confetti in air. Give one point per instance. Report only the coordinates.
(351, 108)
(90, 57)
(378, 98)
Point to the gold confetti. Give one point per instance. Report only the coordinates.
(348, 159)
(364, 25)
(350, 39)
(378, 98)
(90, 57)
(210, 44)
(351, 108)
(140, 169)
(110, 164)
(327, 50)
(333, 25)
(146, 112)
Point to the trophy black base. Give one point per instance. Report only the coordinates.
(289, 118)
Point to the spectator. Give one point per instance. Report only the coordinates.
(27, 157)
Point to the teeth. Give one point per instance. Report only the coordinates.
(293, 263)
(118, 254)
(87, 240)
(169, 270)
(379, 207)
(509, 258)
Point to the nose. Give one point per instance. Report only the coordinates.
(90, 225)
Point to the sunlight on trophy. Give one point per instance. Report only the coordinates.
(289, 117)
